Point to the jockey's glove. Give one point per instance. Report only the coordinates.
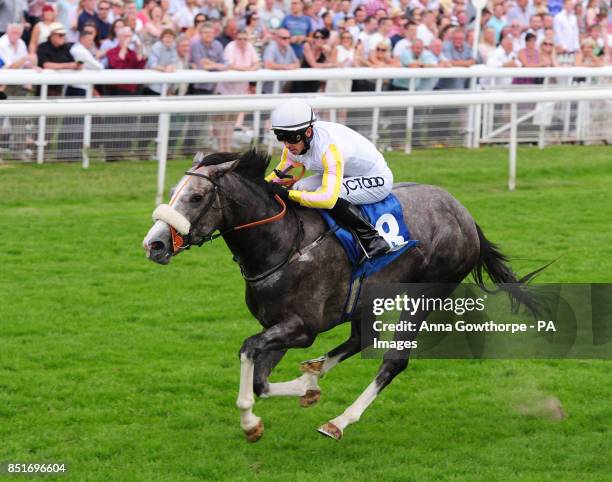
(274, 188)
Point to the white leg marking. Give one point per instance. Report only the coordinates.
(328, 364)
(354, 412)
(246, 398)
(294, 388)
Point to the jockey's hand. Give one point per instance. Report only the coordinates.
(274, 188)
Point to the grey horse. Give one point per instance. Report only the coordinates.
(297, 276)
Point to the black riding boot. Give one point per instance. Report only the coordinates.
(350, 217)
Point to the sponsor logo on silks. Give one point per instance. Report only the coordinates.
(388, 227)
(363, 183)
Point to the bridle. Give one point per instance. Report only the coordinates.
(183, 242)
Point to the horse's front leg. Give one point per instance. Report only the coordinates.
(292, 333)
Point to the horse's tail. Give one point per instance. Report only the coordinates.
(492, 261)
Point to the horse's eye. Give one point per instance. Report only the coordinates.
(196, 198)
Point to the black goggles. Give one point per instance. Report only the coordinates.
(292, 137)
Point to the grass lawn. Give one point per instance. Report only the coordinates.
(128, 371)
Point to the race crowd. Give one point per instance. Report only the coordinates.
(247, 35)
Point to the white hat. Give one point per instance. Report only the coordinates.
(293, 115)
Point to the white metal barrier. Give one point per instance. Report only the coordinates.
(165, 106)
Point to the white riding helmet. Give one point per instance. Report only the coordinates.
(293, 115)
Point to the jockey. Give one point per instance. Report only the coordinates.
(348, 170)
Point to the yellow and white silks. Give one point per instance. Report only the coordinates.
(346, 164)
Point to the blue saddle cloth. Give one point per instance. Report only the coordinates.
(388, 218)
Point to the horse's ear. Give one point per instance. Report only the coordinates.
(223, 168)
(199, 156)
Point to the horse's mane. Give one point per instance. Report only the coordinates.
(252, 164)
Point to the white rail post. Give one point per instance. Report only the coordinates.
(257, 114)
(567, 117)
(87, 130)
(512, 148)
(469, 125)
(477, 123)
(376, 115)
(410, 121)
(42, 127)
(333, 115)
(163, 130)
(542, 130)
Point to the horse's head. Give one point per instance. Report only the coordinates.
(192, 214)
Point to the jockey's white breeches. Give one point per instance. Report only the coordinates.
(366, 189)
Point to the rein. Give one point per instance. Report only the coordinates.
(180, 242)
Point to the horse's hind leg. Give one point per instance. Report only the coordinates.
(306, 386)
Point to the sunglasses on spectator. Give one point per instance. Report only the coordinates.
(284, 38)
(289, 137)
(347, 37)
(547, 43)
(381, 49)
(242, 39)
(318, 37)
(103, 8)
(88, 32)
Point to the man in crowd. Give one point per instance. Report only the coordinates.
(299, 27)
(230, 29)
(504, 56)
(459, 54)
(279, 55)
(522, 12)
(566, 28)
(90, 15)
(13, 50)
(535, 27)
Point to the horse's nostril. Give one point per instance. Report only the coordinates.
(157, 246)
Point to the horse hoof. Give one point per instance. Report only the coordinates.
(255, 433)
(310, 398)
(330, 430)
(312, 366)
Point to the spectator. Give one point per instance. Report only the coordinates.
(192, 31)
(185, 15)
(67, 14)
(117, 11)
(315, 12)
(385, 24)
(145, 13)
(566, 28)
(13, 50)
(89, 15)
(41, 31)
(10, 12)
(163, 57)
(316, 54)
(343, 55)
(272, 14)
(131, 18)
(230, 29)
(504, 56)
(112, 41)
(206, 54)
(522, 13)
(299, 27)
(278, 55)
(240, 55)
(598, 38)
(84, 52)
(497, 21)
(70, 139)
(380, 56)
(123, 57)
(548, 55)
(213, 9)
(585, 56)
(459, 54)
(410, 33)
(411, 58)
(540, 7)
(55, 54)
(529, 56)
(536, 28)
(104, 8)
(255, 32)
(344, 10)
(427, 30)
(369, 30)
(487, 45)
(152, 30)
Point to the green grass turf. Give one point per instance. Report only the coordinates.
(129, 371)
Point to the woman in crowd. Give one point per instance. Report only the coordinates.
(112, 41)
(586, 57)
(343, 55)
(548, 55)
(316, 53)
(152, 30)
(487, 46)
(40, 32)
(380, 56)
(192, 31)
(529, 57)
(240, 54)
